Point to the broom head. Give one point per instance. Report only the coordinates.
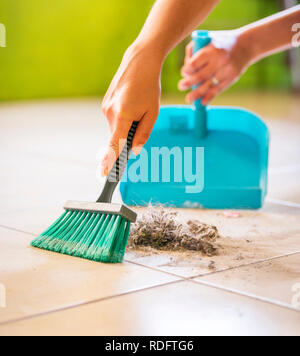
(94, 231)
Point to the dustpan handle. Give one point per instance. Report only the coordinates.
(116, 173)
(201, 39)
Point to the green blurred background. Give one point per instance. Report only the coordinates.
(64, 48)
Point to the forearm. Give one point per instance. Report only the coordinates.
(170, 21)
(271, 35)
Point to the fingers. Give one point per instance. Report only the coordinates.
(189, 52)
(196, 61)
(202, 75)
(116, 144)
(202, 66)
(143, 131)
(208, 89)
(119, 137)
(213, 92)
(199, 92)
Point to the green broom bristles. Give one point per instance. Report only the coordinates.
(94, 236)
(96, 231)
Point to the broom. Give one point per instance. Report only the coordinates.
(95, 231)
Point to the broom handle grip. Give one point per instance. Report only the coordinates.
(116, 173)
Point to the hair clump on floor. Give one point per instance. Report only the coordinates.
(162, 229)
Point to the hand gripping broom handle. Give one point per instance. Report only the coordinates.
(118, 169)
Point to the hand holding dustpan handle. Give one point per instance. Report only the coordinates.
(118, 169)
(201, 39)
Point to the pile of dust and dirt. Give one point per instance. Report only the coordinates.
(162, 229)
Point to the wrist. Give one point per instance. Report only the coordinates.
(247, 45)
(149, 49)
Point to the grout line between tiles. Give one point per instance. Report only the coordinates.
(287, 203)
(125, 260)
(248, 295)
(17, 230)
(181, 279)
(128, 261)
(206, 284)
(157, 269)
(94, 301)
(246, 264)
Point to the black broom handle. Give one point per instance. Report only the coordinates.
(116, 173)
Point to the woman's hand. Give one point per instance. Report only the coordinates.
(133, 95)
(215, 67)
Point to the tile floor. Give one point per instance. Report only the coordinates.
(253, 287)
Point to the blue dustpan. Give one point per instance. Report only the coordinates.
(211, 157)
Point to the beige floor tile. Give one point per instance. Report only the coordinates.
(285, 186)
(38, 191)
(183, 308)
(49, 153)
(38, 281)
(284, 170)
(36, 219)
(255, 236)
(277, 280)
(31, 181)
(284, 144)
(42, 167)
(69, 131)
(33, 190)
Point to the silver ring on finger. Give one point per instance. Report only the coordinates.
(215, 81)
